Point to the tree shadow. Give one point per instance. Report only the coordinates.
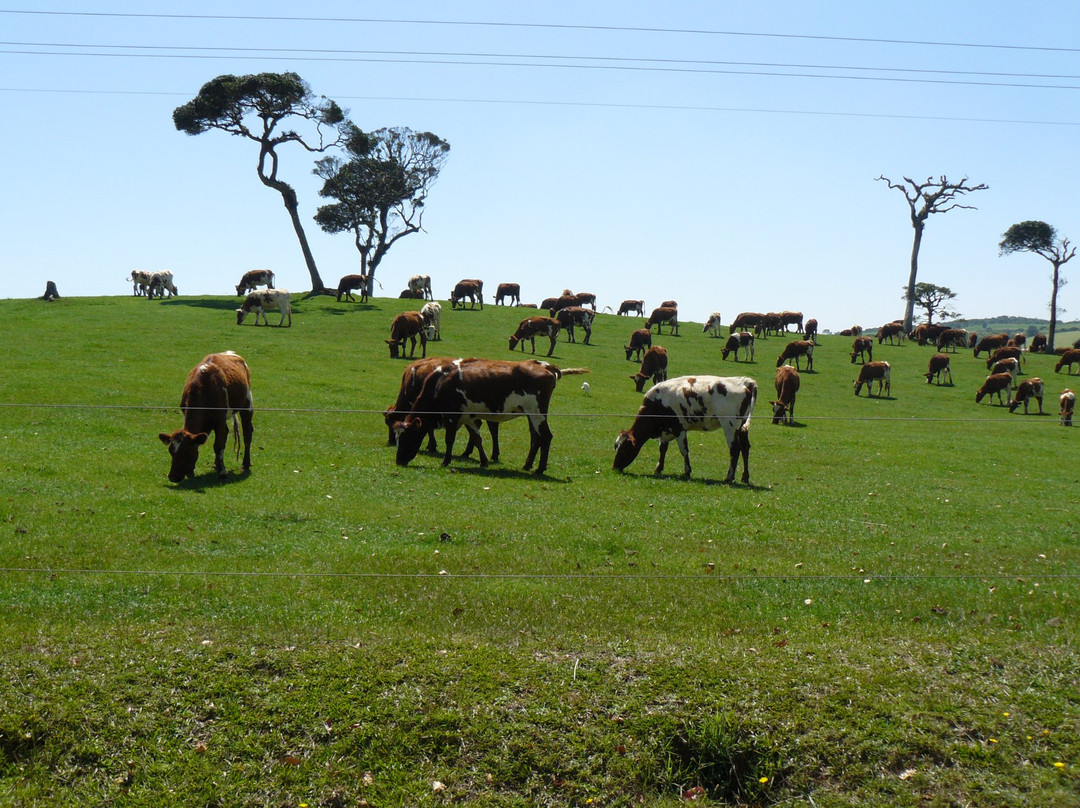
(204, 303)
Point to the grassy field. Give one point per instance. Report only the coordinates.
(886, 616)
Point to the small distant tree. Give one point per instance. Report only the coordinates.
(381, 190)
(1041, 239)
(932, 299)
(257, 107)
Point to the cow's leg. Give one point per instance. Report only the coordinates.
(432, 443)
(551, 349)
(663, 454)
(684, 447)
(588, 332)
(221, 441)
(475, 441)
(448, 452)
(744, 449)
(248, 431)
(540, 437)
(493, 428)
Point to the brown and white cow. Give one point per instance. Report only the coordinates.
(664, 314)
(862, 348)
(509, 290)
(1069, 358)
(991, 343)
(676, 406)
(432, 316)
(1025, 391)
(573, 316)
(926, 333)
(787, 385)
(640, 340)
(952, 338)
(470, 288)
(422, 284)
(1009, 364)
(996, 384)
(217, 389)
(653, 366)
(348, 283)
(463, 394)
(712, 325)
(741, 339)
(628, 306)
(532, 327)
(1005, 352)
(796, 349)
(409, 325)
(260, 301)
(811, 330)
(890, 332)
(253, 279)
(939, 368)
(880, 372)
(1067, 402)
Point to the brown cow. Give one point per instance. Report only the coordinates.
(1038, 344)
(407, 326)
(640, 340)
(1006, 352)
(890, 331)
(880, 372)
(627, 306)
(1067, 400)
(350, 282)
(664, 314)
(863, 348)
(991, 343)
(654, 364)
(530, 328)
(510, 290)
(217, 388)
(791, 318)
(470, 288)
(994, 385)
(796, 348)
(1028, 389)
(787, 385)
(746, 321)
(1069, 358)
(811, 330)
(952, 338)
(939, 368)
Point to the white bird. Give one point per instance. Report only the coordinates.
(585, 387)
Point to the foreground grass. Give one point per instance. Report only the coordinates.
(886, 617)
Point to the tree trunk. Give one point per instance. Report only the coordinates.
(909, 307)
(1053, 309)
(288, 196)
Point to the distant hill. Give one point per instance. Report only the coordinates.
(1067, 330)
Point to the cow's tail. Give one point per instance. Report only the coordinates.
(560, 372)
(751, 399)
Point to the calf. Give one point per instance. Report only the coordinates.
(640, 340)
(259, 302)
(991, 343)
(994, 385)
(407, 326)
(510, 290)
(742, 339)
(664, 314)
(952, 338)
(1028, 389)
(871, 372)
(432, 316)
(1068, 359)
(787, 385)
(653, 365)
(796, 348)
(712, 325)
(863, 348)
(674, 407)
(890, 331)
(939, 368)
(140, 281)
(575, 316)
(811, 330)
(469, 288)
(1067, 400)
(636, 306)
(217, 389)
(421, 284)
(1006, 352)
(530, 328)
(350, 282)
(254, 278)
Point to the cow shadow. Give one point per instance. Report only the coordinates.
(491, 472)
(210, 479)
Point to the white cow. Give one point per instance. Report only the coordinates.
(712, 325)
(254, 278)
(421, 283)
(259, 301)
(432, 314)
(140, 279)
(160, 283)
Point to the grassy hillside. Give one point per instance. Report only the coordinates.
(885, 616)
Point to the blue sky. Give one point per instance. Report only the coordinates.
(721, 154)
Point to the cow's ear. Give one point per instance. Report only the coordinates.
(166, 438)
(200, 439)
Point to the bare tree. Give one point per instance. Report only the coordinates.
(1041, 239)
(924, 198)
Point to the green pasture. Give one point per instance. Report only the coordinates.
(886, 616)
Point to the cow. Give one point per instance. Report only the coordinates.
(654, 365)
(664, 314)
(510, 290)
(432, 315)
(1038, 344)
(674, 407)
(563, 301)
(973, 340)
(1067, 402)
(794, 349)
(640, 340)
(712, 325)
(810, 334)
(1009, 364)
(1025, 391)
(254, 278)
(741, 339)
(787, 385)
(627, 306)
(350, 282)
(791, 318)
(575, 316)
(890, 331)
(532, 327)
(549, 303)
(871, 372)
(939, 368)
(854, 331)
(669, 304)
(217, 389)
(462, 393)
(772, 323)
(1019, 340)
(925, 333)
(952, 338)
(411, 294)
(407, 326)
(1006, 352)
(1068, 359)
(258, 302)
(995, 384)
(991, 343)
(160, 283)
(469, 288)
(421, 284)
(863, 348)
(585, 299)
(140, 281)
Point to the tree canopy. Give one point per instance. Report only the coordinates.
(1042, 239)
(932, 299)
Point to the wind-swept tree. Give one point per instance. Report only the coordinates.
(381, 190)
(925, 198)
(933, 299)
(1041, 239)
(261, 107)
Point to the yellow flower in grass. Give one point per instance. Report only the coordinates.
(763, 780)
(1059, 765)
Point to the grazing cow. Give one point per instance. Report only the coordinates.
(952, 338)
(787, 385)
(791, 318)
(1069, 358)
(653, 365)
(674, 407)
(1019, 340)
(1038, 344)
(995, 383)
(924, 333)
(863, 348)
(407, 326)
(890, 331)
(794, 349)
(640, 340)
(664, 314)
(871, 372)
(530, 328)
(939, 368)
(217, 389)
(772, 323)
(260, 301)
(742, 339)
(421, 284)
(1010, 365)
(350, 282)
(510, 290)
(140, 281)
(432, 314)
(549, 303)
(811, 330)
(1006, 352)
(712, 325)
(669, 304)
(1067, 400)
(1028, 389)
(585, 299)
(746, 321)
(628, 306)
(468, 288)
(991, 343)
(973, 340)
(411, 294)
(160, 283)
(563, 301)
(254, 278)
(462, 393)
(575, 316)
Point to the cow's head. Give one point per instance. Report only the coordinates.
(514, 340)
(409, 434)
(626, 449)
(779, 412)
(240, 316)
(639, 380)
(184, 448)
(394, 343)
